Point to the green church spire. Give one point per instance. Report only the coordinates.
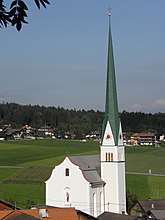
(111, 105)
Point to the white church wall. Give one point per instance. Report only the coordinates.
(109, 175)
(121, 153)
(122, 188)
(113, 173)
(69, 190)
(96, 201)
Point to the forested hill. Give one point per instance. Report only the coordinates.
(81, 121)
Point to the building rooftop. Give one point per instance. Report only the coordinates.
(90, 166)
(34, 214)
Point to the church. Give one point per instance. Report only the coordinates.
(95, 183)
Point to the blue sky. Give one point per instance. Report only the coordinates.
(59, 58)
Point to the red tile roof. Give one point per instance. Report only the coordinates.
(143, 135)
(48, 213)
(7, 206)
(54, 213)
(5, 213)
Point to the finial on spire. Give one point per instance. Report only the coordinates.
(109, 11)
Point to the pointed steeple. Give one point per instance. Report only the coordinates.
(111, 116)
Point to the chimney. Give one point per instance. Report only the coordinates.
(43, 213)
(152, 206)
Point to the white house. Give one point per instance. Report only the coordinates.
(95, 183)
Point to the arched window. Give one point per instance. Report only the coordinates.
(108, 156)
(67, 172)
(94, 205)
(101, 202)
(67, 195)
(111, 156)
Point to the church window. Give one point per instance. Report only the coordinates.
(67, 194)
(111, 156)
(67, 172)
(94, 205)
(108, 156)
(101, 202)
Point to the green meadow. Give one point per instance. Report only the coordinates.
(25, 186)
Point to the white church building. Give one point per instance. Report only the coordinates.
(95, 183)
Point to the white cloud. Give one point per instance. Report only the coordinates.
(136, 107)
(157, 105)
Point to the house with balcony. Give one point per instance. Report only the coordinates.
(143, 139)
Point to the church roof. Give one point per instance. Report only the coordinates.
(91, 168)
(111, 104)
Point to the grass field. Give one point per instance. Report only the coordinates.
(25, 186)
(24, 195)
(141, 159)
(146, 186)
(43, 152)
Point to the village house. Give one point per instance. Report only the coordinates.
(154, 209)
(143, 139)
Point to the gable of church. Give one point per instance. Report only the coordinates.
(65, 171)
(61, 187)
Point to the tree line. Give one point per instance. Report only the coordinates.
(77, 121)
